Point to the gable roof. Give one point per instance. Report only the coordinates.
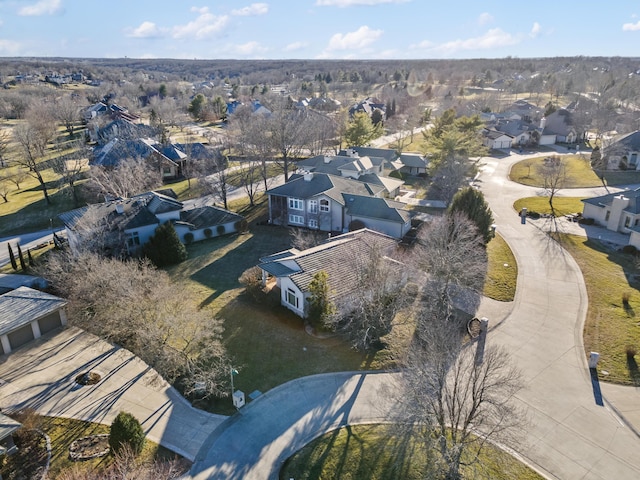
(386, 153)
(134, 214)
(7, 426)
(208, 216)
(338, 257)
(335, 164)
(629, 141)
(607, 200)
(559, 122)
(313, 184)
(23, 305)
(414, 160)
(376, 207)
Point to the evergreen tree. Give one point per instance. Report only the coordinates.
(196, 107)
(23, 265)
(164, 247)
(12, 257)
(126, 430)
(320, 306)
(471, 202)
(361, 130)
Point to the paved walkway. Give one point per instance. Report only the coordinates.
(41, 376)
(572, 433)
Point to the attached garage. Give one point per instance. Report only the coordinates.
(19, 337)
(50, 322)
(25, 314)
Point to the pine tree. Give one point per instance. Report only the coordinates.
(12, 257)
(126, 430)
(471, 202)
(23, 265)
(164, 247)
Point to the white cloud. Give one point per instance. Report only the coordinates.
(631, 27)
(494, 38)
(249, 49)
(205, 25)
(350, 3)
(485, 18)
(359, 39)
(43, 7)
(535, 30)
(9, 47)
(146, 30)
(253, 9)
(295, 46)
(422, 45)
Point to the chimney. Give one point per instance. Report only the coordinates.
(308, 176)
(327, 159)
(119, 208)
(543, 122)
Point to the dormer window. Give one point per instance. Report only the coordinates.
(324, 205)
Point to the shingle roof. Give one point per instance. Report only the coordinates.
(208, 216)
(607, 200)
(413, 160)
(339, 257)
(374, 207)
(23, 305)
(630, 141)
(386, 153)
(7, 426)
(135, 214)
(321, 183)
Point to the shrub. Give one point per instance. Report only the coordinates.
(188, 238)
(126, 430)
(631, 352)
(220, 229)
(241, 226)
(630, 249)
(626, 296)
(586, 221)
(533, 214)
(207, 232)
(251, 278)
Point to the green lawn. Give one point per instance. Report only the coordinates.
(376, 452)
(502, 271)
(267, 342)
(562, 205)
(579, 173)
(610, 326)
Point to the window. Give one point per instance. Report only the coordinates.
(297, 219)
(133, 240)
(313, 206)
(296, 204)
(313, 223)
(324, 205)
(627, 220)
(292, 298)
(606, 217)
(635, 224)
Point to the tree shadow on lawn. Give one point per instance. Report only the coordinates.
(223, 273)
(634, 372)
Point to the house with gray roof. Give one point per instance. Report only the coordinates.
(125, 225)
(27, 314)
(618, 212)
(334, 203)
(406, 162)
(623, 152)
(343, 258)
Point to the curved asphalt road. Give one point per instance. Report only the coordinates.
(571, 433)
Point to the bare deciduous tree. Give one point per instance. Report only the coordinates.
(213, 178)
(451, 253)
(70, 167)
(136, 306)
(250, 177)
(32, 138)
(459, 405)
(5, 140)
(368, 313)
(5, 189)
(130, 177)
(67, 111)
(553, 172)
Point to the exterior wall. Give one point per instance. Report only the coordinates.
(199, 235)
(393, 229)
(616, 218)
(596, 212)
(279, 213)
(634, 239)
(498, 143)
(144, 233)
(285, 285)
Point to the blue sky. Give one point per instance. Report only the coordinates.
(312, 29)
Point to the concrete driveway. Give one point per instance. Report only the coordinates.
(41, 376)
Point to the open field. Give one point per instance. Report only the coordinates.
(378, 452)
(611, 326)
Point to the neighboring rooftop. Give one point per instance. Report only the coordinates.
(23, 305)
